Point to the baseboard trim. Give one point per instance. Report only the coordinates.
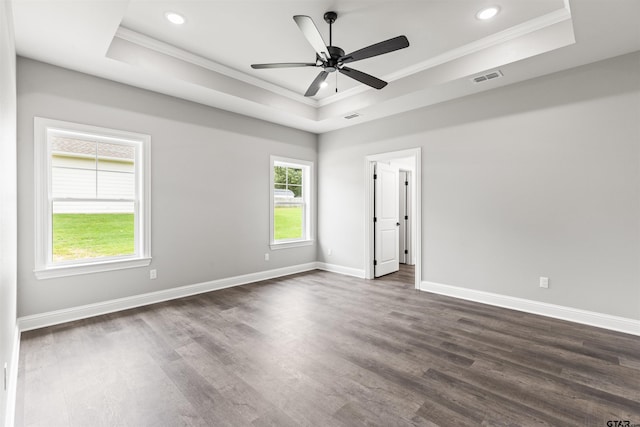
(333, 268)
(36, 321)
(600, 320)
(12, 381)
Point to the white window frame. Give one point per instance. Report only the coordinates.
(307, 193)
(45, 268)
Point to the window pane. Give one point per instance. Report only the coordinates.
(73, 152)
(70, 182)
(73, 164)
(288, 220)
(279, 175)
(296, 190)
(294, 176)
(116, 157)
(85, 230)
(116, 185)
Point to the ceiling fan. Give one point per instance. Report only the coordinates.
(331, 58)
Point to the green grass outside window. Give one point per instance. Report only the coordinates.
(81, 236)
(86, 236)
(287, 222)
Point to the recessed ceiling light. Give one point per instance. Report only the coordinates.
(488, 13)
(175, 18)
(324, 84)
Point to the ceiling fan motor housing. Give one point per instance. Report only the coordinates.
(332, 64)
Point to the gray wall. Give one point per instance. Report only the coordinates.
(200, 156)
(8, 246)
(540, 178)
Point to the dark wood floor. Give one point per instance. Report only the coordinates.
(323, 349)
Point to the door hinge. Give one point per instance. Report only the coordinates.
(375, 176)
(406, 217)
(406, 183)
(375, 262)
(406, 251)
(375, 219)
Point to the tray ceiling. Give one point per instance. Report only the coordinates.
(208, 59)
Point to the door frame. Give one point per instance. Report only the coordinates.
(405, 224)
(416, 232)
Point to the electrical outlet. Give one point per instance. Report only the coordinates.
(330, 252)
(266, 257)
(544, 282)
(153, 274)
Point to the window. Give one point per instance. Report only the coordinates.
(92, 205)
(290, 203)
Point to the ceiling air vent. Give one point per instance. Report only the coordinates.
(352, 116)
(486, 77)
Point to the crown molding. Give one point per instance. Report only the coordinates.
(511, 33)
(186, 56)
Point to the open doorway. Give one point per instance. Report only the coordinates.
(393, 233)
(405, 186)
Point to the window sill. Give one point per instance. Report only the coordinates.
(96, 267)
(294, 244)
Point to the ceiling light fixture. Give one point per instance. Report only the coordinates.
(487, 13)
(175, 18)
(324, 84)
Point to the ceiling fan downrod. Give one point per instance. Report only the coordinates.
(330, 17)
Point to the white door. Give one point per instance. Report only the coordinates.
(386, 222)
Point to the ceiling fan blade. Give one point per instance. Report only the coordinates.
(365, 78)
(315, 86)
(283, 65)
(381, 48)
(311, 33)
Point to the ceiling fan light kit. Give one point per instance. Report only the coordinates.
(332, 58)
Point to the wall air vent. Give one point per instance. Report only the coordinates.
(352, 116)
(486, 77)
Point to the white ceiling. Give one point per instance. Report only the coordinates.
(208, 59)
(238, 33)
